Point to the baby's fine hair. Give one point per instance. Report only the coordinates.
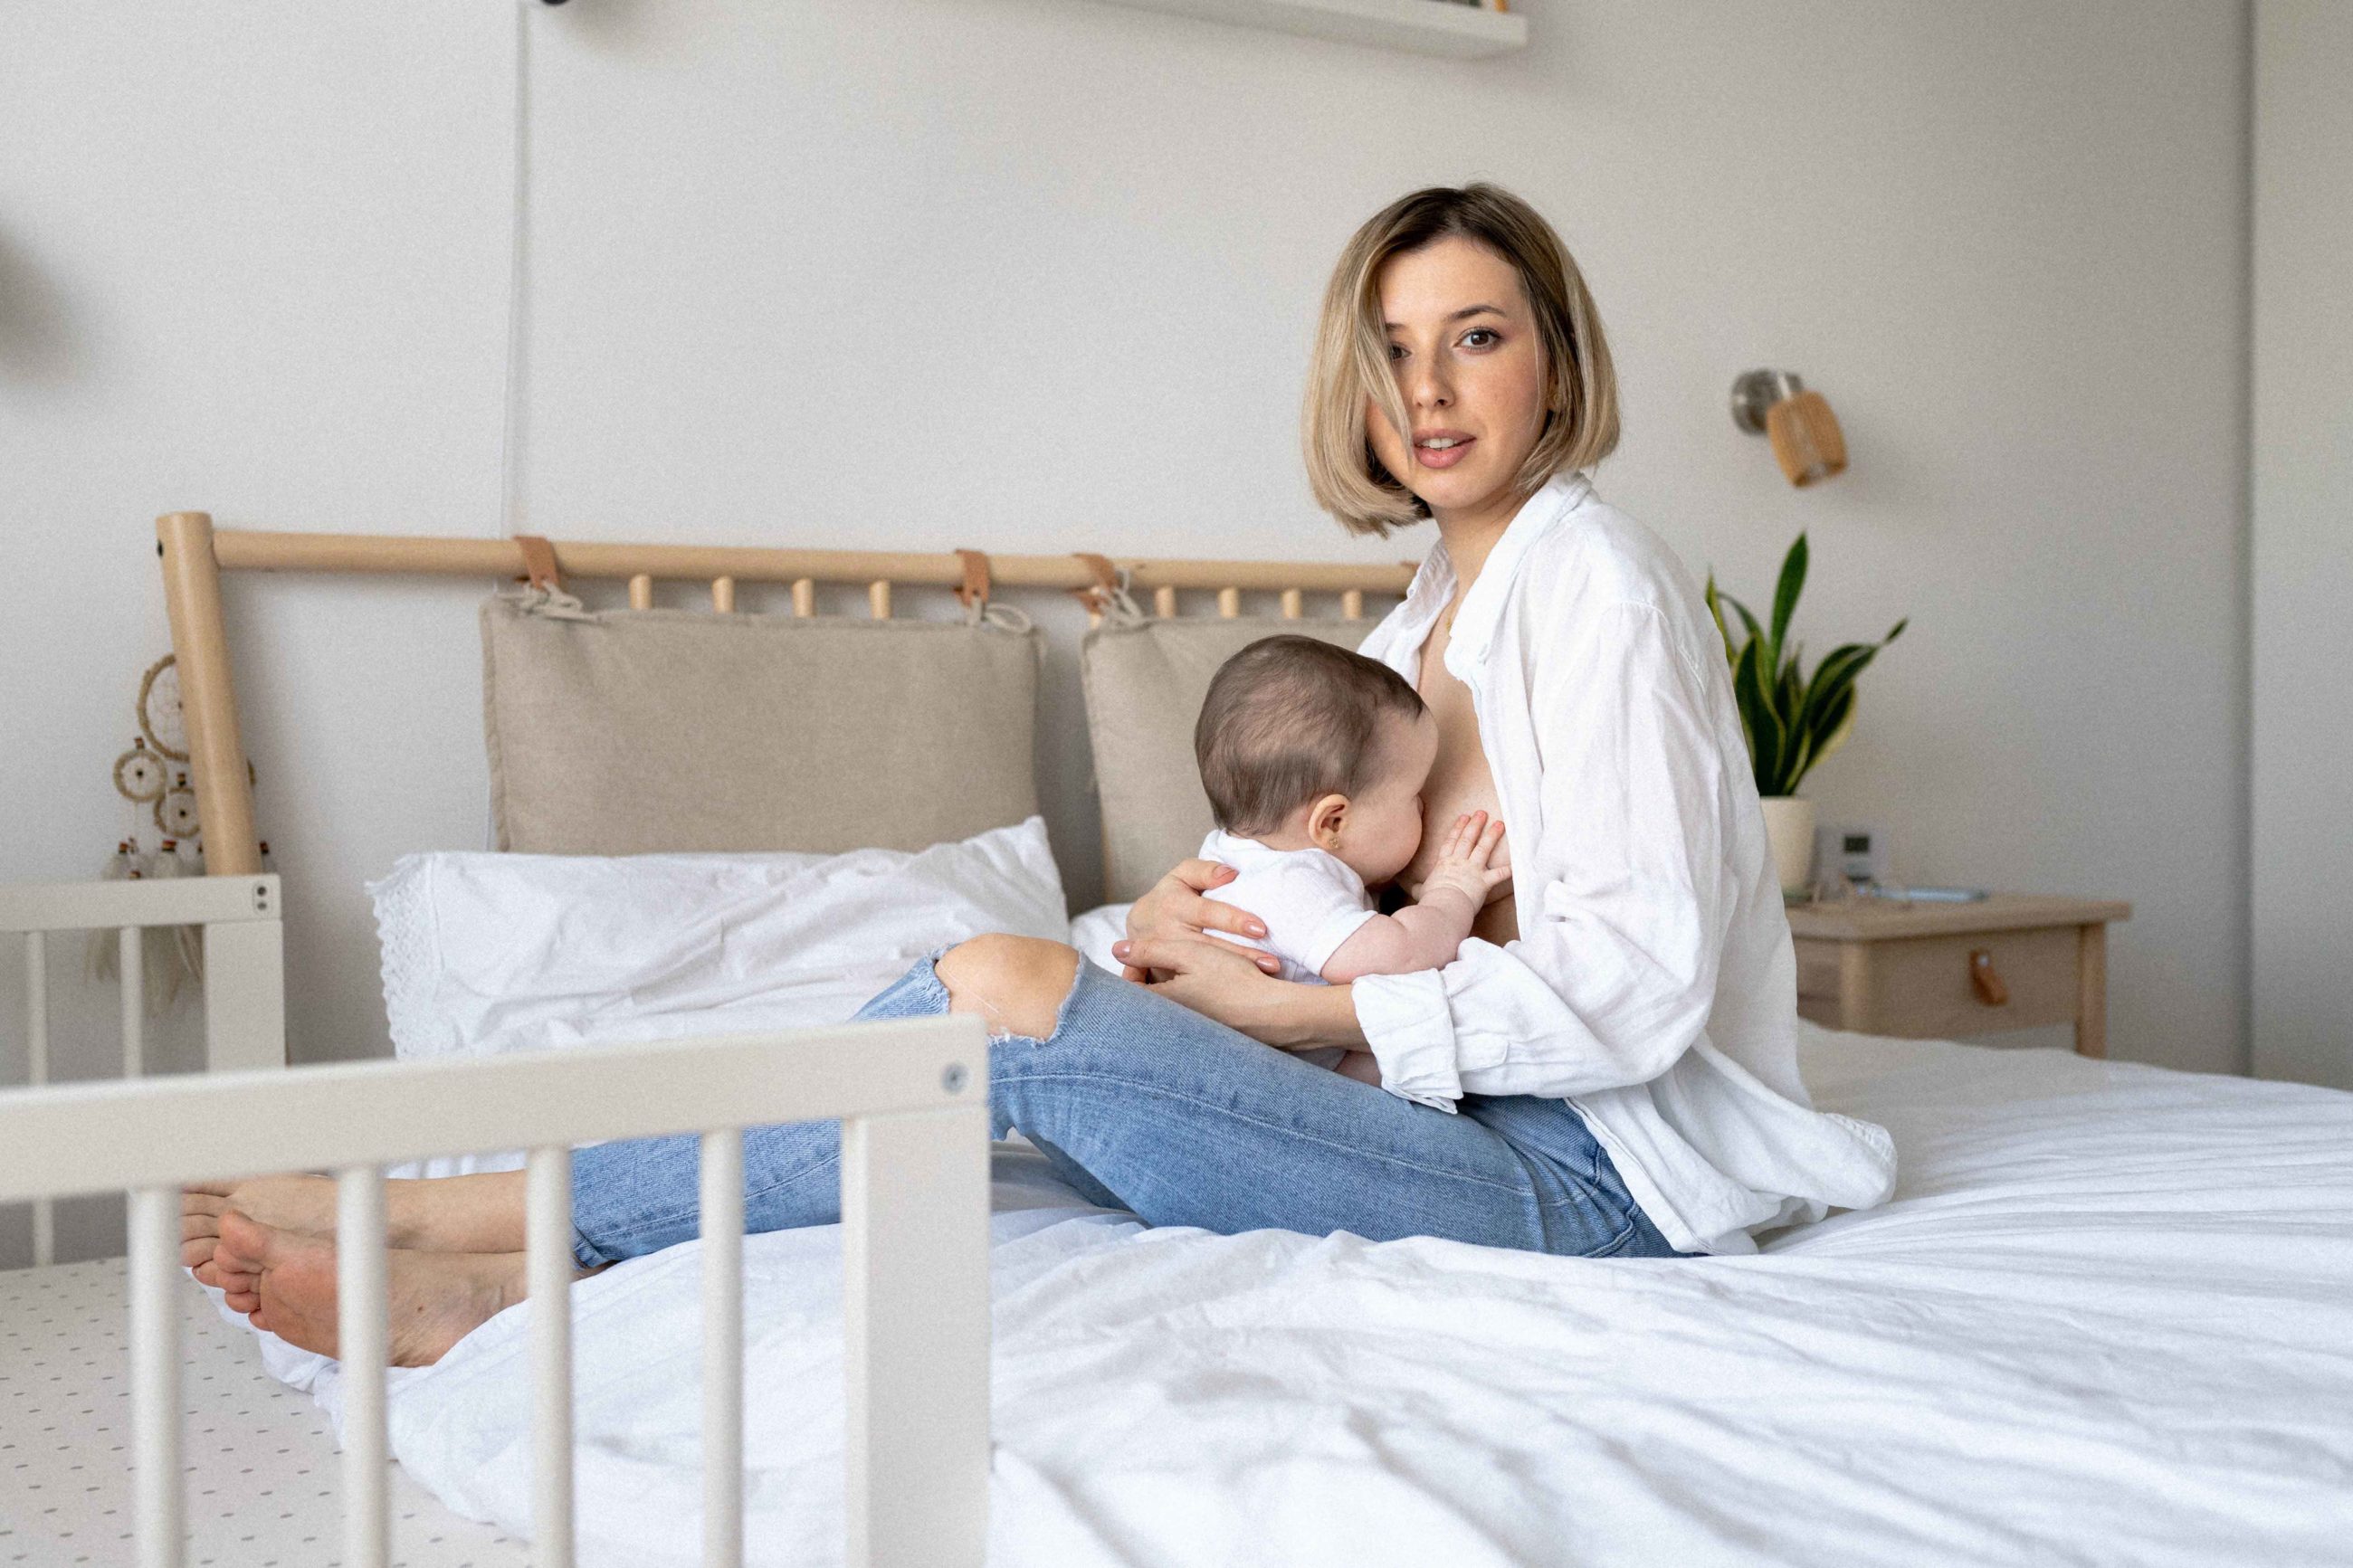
(1288, 721)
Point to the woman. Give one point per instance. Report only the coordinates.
(1606, 1070)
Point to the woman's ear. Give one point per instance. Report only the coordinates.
(1327, 819)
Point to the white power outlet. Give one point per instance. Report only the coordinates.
(1856, 852)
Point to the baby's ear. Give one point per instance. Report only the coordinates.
(1327, 819)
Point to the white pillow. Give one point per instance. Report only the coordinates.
(1094, 933)
(485, 954)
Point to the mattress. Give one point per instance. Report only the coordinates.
(264, 1479)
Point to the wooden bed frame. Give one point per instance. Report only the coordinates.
(195, 553)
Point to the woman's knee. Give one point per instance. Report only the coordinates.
(1016, 982)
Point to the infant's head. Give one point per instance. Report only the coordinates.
(1302, 743)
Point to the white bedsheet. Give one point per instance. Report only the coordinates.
(2107, 1319)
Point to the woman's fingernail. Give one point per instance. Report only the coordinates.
(1255, 928)
(1118, 950)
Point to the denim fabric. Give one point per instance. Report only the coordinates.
(1142, 1104)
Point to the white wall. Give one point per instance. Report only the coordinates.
(1039, 274)
(1048, 276)
(2303, 708)
(253, 260)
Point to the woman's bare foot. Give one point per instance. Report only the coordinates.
(453, 1214)
(284, 1281)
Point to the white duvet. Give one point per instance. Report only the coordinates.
(2107, 1319)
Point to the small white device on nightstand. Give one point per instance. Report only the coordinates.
(1858, 854)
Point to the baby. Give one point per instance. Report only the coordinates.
(1314, 760)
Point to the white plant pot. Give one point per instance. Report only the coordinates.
(1790, 829)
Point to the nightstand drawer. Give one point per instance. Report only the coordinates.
(1927, 987)
(1889, 968)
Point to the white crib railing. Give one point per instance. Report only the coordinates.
(244, 947)
(912, 1098)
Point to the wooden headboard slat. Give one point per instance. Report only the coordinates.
(195, 553)
(241, 550)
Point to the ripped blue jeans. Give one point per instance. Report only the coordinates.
(1142, 1104)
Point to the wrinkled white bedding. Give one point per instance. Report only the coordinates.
(2107, 1319)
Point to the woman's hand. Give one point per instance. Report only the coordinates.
(1175, 911)
(1219, 982)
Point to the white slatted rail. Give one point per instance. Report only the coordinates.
(244, 1016)
(913, 1097)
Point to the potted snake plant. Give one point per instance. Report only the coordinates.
(1792, 722)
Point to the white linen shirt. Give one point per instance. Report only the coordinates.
(1653, 985)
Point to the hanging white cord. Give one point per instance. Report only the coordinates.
(512, 391)
(513, 386)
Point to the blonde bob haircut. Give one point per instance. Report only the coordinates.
(1350, 372)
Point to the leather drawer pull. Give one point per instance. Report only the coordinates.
(1989, 987)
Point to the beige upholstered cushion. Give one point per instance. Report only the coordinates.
(665, 730)
(1145, 685)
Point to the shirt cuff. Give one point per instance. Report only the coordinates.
(1411, 1031)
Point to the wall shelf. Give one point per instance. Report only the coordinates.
(1417, 27)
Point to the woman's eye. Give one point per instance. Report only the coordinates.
(1476, 332)
(1397, 351)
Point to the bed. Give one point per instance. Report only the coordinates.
(2064, 1342)
(2108, 1317)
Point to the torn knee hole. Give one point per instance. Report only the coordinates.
(1017, 985)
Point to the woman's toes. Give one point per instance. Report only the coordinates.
(199, 1226)
(241, 1252)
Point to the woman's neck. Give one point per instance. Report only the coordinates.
(1470, 537)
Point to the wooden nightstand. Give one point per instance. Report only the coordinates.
(1937, 970)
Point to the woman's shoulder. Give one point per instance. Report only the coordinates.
(1596, 551)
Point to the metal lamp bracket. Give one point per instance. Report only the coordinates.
(1757, 390)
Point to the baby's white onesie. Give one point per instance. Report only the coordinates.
(1310, 900)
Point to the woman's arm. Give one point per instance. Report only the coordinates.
(1220, 982)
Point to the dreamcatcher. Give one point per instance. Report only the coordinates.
(159, 793)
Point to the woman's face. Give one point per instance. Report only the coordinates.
(1469, 367)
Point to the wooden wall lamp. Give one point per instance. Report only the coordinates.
(1806, 437)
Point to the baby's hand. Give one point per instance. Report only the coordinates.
(1472, 861)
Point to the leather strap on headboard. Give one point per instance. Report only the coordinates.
(1097, 596)
(539, 561)
(973, 594)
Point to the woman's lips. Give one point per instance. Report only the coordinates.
(1444, 457)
